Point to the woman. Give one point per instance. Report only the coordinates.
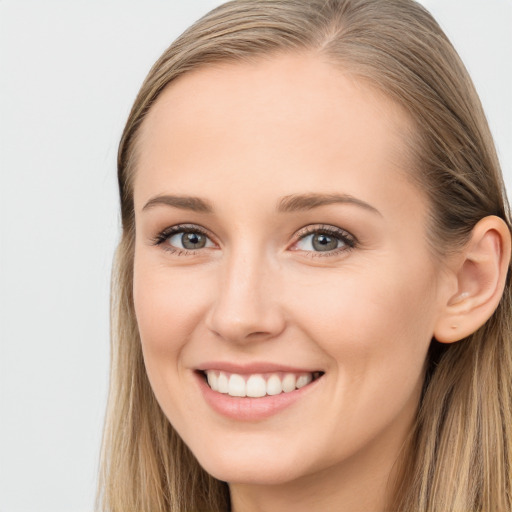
(311, 300)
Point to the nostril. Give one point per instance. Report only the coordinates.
(258, 334)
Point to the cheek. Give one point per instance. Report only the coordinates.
(376, 330)
(168, 306)
(377, 319)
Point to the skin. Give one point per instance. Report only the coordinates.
(243, 136)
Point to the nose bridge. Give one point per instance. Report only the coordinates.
(245, 307)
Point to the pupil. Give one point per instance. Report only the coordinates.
(324, 243)
(193, 241)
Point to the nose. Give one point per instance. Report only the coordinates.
(246, 307)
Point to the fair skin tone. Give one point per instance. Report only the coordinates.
(352, 301)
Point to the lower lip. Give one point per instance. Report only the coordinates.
(251, 409)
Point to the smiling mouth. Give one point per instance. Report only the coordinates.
(258, 385)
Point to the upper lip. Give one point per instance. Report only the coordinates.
(256, 367)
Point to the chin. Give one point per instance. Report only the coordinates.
(260, 468)
(253, 474)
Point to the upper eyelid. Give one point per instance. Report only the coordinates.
(178, 228)
(162, 236)
(318, 228)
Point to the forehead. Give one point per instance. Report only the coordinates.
(282, 116)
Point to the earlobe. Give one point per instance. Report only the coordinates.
(481, 272)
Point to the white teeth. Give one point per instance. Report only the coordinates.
(236, 385)
(222, 383)
(303, 380)
(213, 381)
(289, 382)
(274, 386)
(257, 385)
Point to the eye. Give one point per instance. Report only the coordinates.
(189, 240)
(183, 239)
(325, 239)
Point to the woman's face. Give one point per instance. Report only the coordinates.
(279, 241)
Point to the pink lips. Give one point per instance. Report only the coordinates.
(246, 408)
(256, 367)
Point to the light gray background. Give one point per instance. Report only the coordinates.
(69, 71)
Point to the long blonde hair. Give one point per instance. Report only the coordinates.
(459, 455)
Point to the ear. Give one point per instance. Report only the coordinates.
(480, 271)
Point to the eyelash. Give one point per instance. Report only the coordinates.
(164, 235)
(349, 241)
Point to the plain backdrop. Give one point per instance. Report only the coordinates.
(69, 71)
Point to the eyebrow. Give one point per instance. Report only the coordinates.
(195, 204)
(304, 202)
(287, 204)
